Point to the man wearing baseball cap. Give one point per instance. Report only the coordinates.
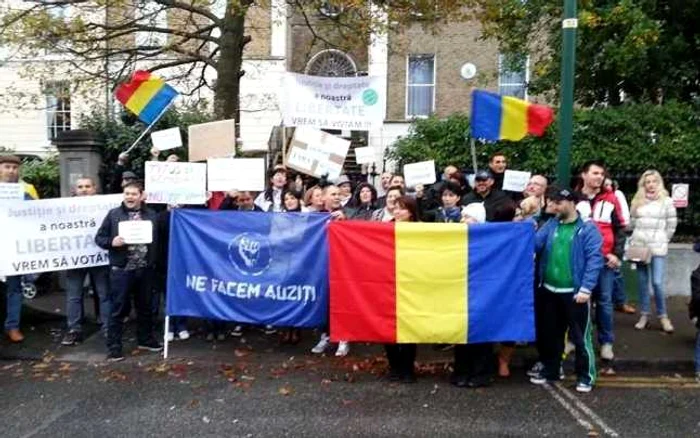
(485, 192)
(10, 166)
(570, 263)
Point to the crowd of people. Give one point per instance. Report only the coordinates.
(583, 235)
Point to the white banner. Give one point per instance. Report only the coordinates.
(317, 153)
(515, 180)
(365, 155)
(226, 174)
(354, 103)
(53, 234)
(166, 139)
(136, 232)
(11, 191)
(175, 182)
(419, 173)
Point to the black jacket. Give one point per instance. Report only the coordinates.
(110, 229)
(494, 201)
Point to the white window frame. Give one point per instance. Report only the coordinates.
(409, 85)
(524, 85)
(56, 106)
(158, 20)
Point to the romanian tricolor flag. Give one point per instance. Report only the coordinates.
(495, 117)
(431, 283)
(146, 95)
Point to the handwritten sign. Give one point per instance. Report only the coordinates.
(11, 191)
(225, 174)
(136, 232)
(212, 140)
(515, 180)
(679, 194)
(365, 155)
(419, 173)
(317, 153)
(166, 139)
(175, 183)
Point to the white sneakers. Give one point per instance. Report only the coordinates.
(182, 336)
(606, 352)
(642, 323)
(325, 341)
(666, 325)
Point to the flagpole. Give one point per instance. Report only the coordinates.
(473, 148)
(148, 128)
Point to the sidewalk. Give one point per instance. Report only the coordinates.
(44, 319)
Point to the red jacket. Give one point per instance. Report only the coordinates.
(605, 211)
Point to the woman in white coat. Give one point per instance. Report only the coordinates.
(654, 222)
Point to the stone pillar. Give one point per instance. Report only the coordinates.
(78, 155)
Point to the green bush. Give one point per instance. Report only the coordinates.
(44, 175)
(629, 138)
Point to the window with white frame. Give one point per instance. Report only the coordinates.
(58, 115)
(153, 15)
(513, 76)
(420, 86)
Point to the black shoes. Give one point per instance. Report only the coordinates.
(72, 338)
(154, 346)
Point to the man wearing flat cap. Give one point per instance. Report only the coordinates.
(9, 173)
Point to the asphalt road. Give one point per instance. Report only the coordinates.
(322, 397)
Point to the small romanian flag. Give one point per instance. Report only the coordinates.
(431, 283)
(146, 95)
(495, 117)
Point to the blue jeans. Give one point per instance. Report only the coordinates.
(657, 267)
(619, 295)
(604, 305)
(122, 284)
(697, 352)
(14, 301)
(75, 279)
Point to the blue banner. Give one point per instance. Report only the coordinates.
(249, 267)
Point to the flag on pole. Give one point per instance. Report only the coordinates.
(146, 95)
(495, 117)
(431, 283)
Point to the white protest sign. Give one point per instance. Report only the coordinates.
(11, 191)
(225, 174)
(212, 140)
(317, 153)
(365, 155)
(515, 180)
(166, 139)
(419, 173)
(679, 194)
(53, 234)
(136, 232)
(349, 102)
(175, 183)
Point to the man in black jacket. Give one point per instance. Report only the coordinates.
(484, 191)
(132, 269)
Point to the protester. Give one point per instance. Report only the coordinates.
(292, 201)
(240, 201)
(402, 357)
(653, 223)
(131, 271)
(602, 207)
(10, 170)
(386, 213)
(313, 199)
(528, 209)
(120, 175)
(271, 199)
(398, 181)
(694, 310)
(474, 213)
(331, 197)
(486, 193)
(570, 262)
(363, 203)
(345, 186)
(155, 156)
(75, 280)
(384, 183)
(498, 165)
(449, 211)
(178, 325)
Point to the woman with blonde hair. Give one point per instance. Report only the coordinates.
(654, 221)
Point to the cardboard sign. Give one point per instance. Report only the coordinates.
(680, 194)
(317, 153)
(225, 174)
(175, 183)
(212, 140)
(365, 155)
(136, 232)
(515, 180)
(419, 173)
(11, 192)
(53, 234)
(166, 139)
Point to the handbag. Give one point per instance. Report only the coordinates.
(638, 254)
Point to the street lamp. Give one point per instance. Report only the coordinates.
(566, 106)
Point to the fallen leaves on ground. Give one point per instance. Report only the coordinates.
(286, 390)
